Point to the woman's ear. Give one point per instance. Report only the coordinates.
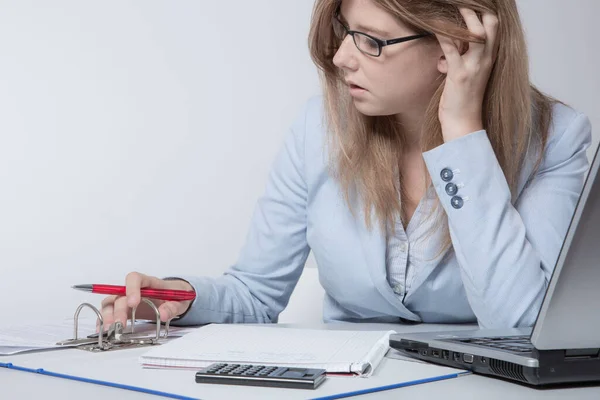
(442, 65)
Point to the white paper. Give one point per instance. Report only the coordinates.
(20, 338)
(335, 351)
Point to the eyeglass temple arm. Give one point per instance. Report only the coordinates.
(405, 39)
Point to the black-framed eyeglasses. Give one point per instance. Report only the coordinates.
(366, 43)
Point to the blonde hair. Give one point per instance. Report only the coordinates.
(365, 150)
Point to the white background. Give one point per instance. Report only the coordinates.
(137, 135)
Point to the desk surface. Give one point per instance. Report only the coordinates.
(16, 384)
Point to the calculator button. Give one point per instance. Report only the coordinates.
(293, 374)
(278, 371)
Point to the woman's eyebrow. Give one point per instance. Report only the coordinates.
(364, 28)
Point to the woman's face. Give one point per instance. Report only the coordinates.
(402, 79)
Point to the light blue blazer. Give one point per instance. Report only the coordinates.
(496, 272)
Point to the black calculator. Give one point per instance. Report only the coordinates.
(261, 375)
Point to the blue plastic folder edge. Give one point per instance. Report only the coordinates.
(393, 386)
(42, 371)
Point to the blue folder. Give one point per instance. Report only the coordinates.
(42, 371)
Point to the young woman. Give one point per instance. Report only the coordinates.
(431, 181)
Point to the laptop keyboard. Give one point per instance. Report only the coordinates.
(519, 344)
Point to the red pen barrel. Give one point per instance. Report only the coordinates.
(170, 295)
(158, 294)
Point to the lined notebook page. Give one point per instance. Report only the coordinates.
(334, 351)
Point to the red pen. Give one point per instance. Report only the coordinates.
(159, 294)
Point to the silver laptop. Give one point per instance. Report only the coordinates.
(564, 344)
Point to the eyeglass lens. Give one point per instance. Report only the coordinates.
(363, 43)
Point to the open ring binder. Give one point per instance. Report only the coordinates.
(116, 337)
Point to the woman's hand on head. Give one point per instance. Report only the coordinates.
(467, 76)
(118, 308)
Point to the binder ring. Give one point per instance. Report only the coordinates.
(130, 338)
(87, 342)
(76, 318)
(157, 313)
(116, 337)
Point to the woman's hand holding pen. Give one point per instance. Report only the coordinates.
(118, 308)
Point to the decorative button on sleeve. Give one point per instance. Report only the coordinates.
(457, 202)
(451, 189)
(447, 175)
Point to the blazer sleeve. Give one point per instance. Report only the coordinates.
(258, 287)
(507, 252)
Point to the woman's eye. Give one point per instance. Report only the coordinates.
(372, 44)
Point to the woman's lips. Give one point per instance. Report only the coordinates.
(356, 90)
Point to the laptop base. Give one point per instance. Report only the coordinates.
(555, 367)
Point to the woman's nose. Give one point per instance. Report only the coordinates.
(345, 57)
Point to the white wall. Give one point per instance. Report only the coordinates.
(137, 135)
(565, 54)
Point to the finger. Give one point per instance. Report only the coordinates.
(107, 312)
(107, 301)
(490, 23)
(134, 282)
(121, 310)
(107, 318)
(476, 28)
(172, 309)
(450, 50)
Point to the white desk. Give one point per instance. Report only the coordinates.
(123, 365)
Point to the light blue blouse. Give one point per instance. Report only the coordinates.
(496, 272)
